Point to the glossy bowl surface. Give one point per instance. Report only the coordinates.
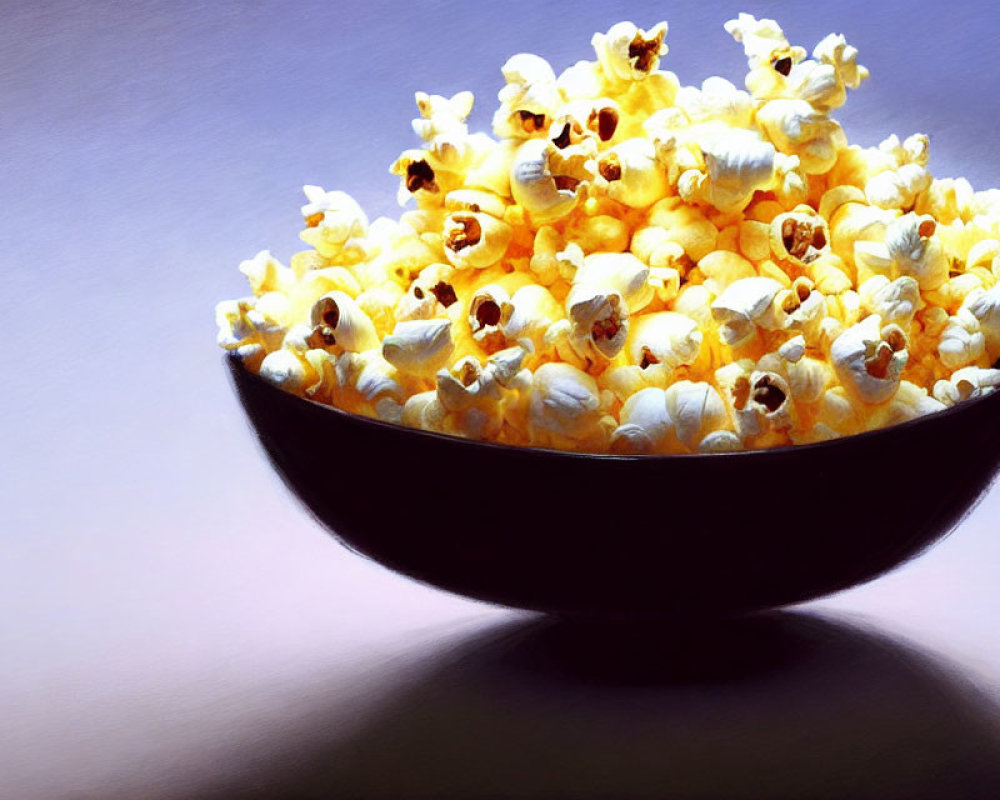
(606, 536)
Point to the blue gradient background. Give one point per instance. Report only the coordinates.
(172, 624)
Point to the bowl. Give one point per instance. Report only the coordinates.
(681, 537)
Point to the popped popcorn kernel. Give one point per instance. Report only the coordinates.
(626, 265)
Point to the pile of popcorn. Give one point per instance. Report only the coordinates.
(633, 266)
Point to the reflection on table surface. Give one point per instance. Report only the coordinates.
(778, 705)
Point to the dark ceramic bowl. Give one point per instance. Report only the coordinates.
(648, 536)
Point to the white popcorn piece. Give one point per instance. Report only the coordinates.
(474, 240)
(419, 347)
(418, 177)
(738, 163)
(285, 369)
(764, 43)
(804, 308)
(489, 310)
(696, 409)
(368, 384)
(800, 236)
(599, 321)
(442, 116)
(760, 403)
(583, 121)
(624, 381)
(853, 224)
(467, 384)
(911, 247)
(717, 100)
(645, 427)
(266, 274)
(584, 80)
(247, 331)
(836, 70)
(961, 343)
(808, 378)
(895, 301)
(632, 174)
(721, 442)
(909, 402)
(529, 99)
(966, 384)
(606, 289)
(430, 294)
(869, 359)
(621, 272)
(898, 189)
(793, 350)
(535, 184)
(627, 53)
(794, 127)
(338, 322)
(746, 305)
(533, 311)
(665, 337)
(335, 225)
(984, 306)
(565, 406)
(424, 412)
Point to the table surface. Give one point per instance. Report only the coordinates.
(174, 625)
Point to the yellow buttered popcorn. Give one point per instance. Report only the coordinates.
(627, 265)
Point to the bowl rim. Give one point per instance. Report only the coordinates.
(236, 363)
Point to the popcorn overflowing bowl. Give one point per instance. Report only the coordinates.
(700, 301)
(629, 536)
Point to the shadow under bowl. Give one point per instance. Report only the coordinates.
(678, 537)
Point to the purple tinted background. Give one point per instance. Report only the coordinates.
(172, 622)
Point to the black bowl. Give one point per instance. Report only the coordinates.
(649, 536)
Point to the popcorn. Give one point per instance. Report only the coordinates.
(338, 323)
(796, 128)
(631, 174)
(419, 347)
(961, 343)
(565, 408)
(984, 306)
(745, 306)
(538, 185)
(909, 248)
(646, 425)
(632, 266)
(474, 239)
(697, 410)
(869, 359)
(528, 100)
(627, 53)
(665, 338)
(335, 224)
(738, 163)
(285, 369)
